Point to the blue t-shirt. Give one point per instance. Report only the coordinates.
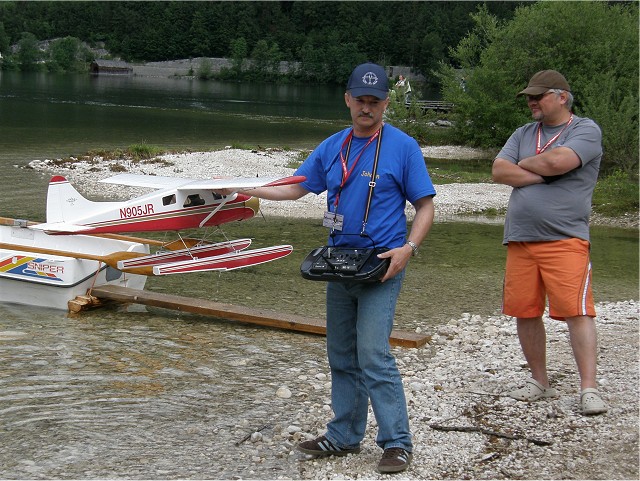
(402, 176)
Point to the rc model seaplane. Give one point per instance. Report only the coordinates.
(176, 204)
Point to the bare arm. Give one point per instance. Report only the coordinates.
(279, 192)
(420, 227)
(508, 173)
(556, 161)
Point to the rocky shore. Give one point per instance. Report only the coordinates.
(466, 428)
(451, 200)
(463, 424)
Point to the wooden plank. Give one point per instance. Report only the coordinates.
(262, 317)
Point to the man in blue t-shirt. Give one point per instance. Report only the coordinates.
(360, 316)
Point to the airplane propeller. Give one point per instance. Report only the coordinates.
(109, 259)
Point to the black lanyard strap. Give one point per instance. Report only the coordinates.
(372, 183)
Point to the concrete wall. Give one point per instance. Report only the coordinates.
(183, 67)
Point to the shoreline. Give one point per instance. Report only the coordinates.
(456, 201)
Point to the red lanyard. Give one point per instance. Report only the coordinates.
(347, 173)
(552, 140)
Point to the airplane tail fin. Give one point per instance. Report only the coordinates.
(64, 203)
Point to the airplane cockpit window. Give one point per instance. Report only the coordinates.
(193, 200)
(217, 196)
(169, 199)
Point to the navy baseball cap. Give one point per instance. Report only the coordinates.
(369, 79)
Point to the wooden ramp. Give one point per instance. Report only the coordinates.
(262, 317)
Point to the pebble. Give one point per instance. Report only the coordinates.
(283, 392)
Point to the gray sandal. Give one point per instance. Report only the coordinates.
(532, 391)
(591, 402)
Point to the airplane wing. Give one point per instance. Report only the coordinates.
(153, 181)
(242, 183)
(60, 227)
(235, 183)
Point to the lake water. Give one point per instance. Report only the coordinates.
(121, 393)
(51, 116)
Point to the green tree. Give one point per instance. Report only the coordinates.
(4, 40)
(198, 36)
(239, 52)
(480, 116)
(63, 53)
(205, 69)
(274, 58)
(326, 60)
(436, 53)
(265, 58)
(594, 44)
(260, 57)
(28, 53)
(312, 62)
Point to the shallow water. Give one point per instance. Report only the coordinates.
(110, 394)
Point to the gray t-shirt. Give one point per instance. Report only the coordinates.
(560, 210)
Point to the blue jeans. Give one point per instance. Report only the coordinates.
(359, 323)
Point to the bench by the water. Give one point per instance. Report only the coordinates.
(436, 105)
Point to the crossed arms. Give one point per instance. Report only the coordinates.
(534, 170)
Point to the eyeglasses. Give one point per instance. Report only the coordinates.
(538, 98)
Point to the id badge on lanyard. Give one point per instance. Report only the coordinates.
(333, 220)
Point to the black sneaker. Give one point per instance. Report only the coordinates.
(394, 460)
(323, 447)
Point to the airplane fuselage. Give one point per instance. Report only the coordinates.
(150, 214)
(176, 204)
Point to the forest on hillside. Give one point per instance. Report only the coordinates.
(337, 34)
(476, 53)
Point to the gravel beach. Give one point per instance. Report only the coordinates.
(464, 426)
(452, 199)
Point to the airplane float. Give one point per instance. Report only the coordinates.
(176, 204)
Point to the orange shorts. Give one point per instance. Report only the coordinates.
(557, 270)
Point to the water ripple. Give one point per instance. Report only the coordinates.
(117, 394)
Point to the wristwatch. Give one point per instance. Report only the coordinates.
(414, 248)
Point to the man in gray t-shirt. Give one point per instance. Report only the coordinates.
(552, 165)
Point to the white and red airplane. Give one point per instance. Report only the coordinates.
(177, 204)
